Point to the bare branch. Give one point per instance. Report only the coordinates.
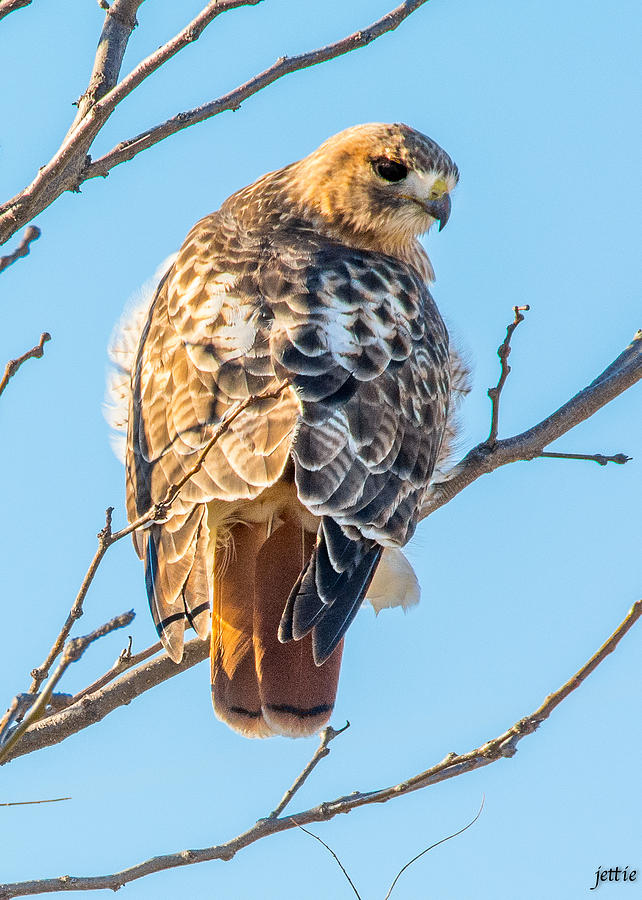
(10, 6)
(13, 365)
(504, 746)
(126, 660)
(73, 651)
(328, 734)
(622, 374)
(32, 233)
(620, 458)
(91, 708)
(64, 171)
(120, 22)
(503, 351)
(69, 167)
(285, 65)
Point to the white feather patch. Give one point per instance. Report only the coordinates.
(394, 583)
(122, 353)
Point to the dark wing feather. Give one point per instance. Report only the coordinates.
(330, 590)
(367, 354)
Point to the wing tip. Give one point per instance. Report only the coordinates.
(326, 597)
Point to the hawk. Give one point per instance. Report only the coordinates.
(310, 285)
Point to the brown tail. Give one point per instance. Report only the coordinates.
(260, 686)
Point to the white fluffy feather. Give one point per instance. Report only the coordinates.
(394, 583)
(122, 352)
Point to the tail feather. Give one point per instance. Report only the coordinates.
(235, 689)
(261, 686)
(297, 696)
(281, 604)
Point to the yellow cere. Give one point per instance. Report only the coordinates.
(438, 189)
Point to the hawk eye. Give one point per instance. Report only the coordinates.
(389, 170)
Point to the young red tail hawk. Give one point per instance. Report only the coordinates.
(312, 276)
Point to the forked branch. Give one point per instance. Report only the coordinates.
(285, 65)
(72, 653)
(91, 708)
(70, 166)
(622, 374)
(503, 351)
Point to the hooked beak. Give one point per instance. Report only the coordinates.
(439, 209)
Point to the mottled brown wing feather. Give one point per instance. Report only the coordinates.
(359, 339)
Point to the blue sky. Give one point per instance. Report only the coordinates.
(523, 575)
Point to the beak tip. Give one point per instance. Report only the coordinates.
(440, 210)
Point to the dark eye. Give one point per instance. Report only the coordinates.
(389, 170)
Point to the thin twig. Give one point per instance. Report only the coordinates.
(104, 543)
(32, 233)
(620, 458)
(33, 802)
(503, 351)
(13, 365)
(73, 651)
(432, 847)
(338, 861)
(328, 734)
(124, 662)
(452, 766)
(64, 170)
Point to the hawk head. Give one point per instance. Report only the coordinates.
(379, 186)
